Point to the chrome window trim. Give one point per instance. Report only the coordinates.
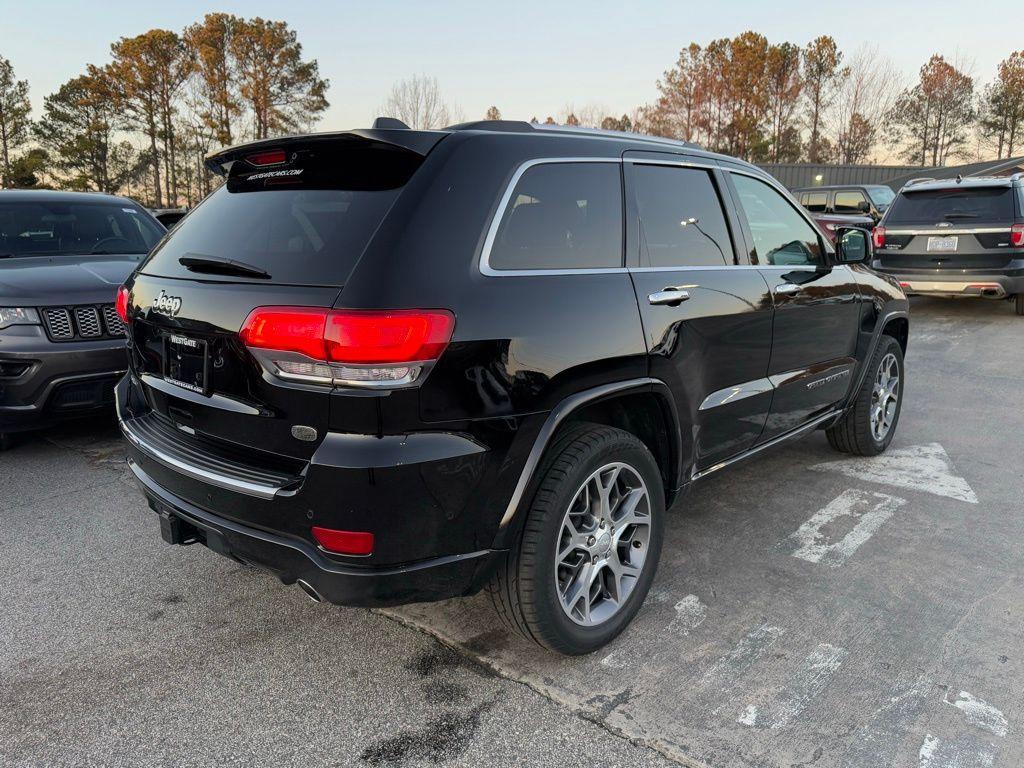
(949, 231)
(492, 229)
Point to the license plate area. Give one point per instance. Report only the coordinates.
(942, 244)
(187, 363)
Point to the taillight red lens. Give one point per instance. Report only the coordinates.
(1017, 236)
(270, 157)
(344, 542)
(287, 329)
(121, 304)
(878, 237)
(398, 336)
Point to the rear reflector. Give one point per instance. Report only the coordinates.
(344, 542)
(270, 157)
(1017, 236)
(124, 298)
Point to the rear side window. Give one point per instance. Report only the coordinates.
(964, 205)
(306, 223)
(849, 202)
(681, 218)
(562, 216)
(815, 201)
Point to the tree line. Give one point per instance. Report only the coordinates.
(143, 123)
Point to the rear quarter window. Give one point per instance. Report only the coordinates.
(561, 216)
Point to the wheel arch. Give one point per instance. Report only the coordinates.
(641, 406)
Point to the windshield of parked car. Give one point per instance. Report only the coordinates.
(932, 206)
(51, 228)
(881, 196)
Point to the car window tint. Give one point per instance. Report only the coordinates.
(958, 204)
(562, 216)
(849, 202)
(681, 218)
(815, 201)
(781, 235)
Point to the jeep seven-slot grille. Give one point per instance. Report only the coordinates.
(82, 323)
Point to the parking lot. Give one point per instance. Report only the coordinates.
(810, 609)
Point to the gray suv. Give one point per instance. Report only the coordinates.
(956, 237)
(62, 344)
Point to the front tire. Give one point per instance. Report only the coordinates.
(590, 543)
(869, 425)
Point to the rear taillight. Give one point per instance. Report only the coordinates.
(124, 298)
(344, 542)
(348, 347)
(1017, 236)
(878, 237)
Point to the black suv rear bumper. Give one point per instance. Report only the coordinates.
(296, 561)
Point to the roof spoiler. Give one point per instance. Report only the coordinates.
(395, 134)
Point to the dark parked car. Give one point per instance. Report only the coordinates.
(62, 345)
(393, 365)
(956, 238)
(845, 200)
(831, 223)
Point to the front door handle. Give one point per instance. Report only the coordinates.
(669, 296)
(788, 289)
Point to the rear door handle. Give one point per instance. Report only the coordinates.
(669, 296)
(788, 289)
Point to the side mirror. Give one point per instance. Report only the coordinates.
(864, 206)
(853, 245)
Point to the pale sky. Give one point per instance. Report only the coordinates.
(529, 58)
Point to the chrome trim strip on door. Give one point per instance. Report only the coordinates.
(793, 433)
(735, 393)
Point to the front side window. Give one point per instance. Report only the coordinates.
(881, 196)
(562, 216)
(815, 201)
(681, 218)
(849, 202)
(782, 236)
(53, 228)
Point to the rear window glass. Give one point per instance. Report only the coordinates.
(984, 204)
(562, 216)
(814, 201)
(304, 223)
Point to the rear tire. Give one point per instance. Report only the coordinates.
(1019, 303)
(590, 543)
(868, 426)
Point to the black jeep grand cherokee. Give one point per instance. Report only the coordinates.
(395, 365)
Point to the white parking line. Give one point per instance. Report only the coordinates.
(926, 468)
(964, 752)
(980, 713)
(690, 614)
(871, 510)
(751, 647)
(809, 681)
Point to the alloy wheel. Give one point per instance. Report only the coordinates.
(602, 544)
(885, 397)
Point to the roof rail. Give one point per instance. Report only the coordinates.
(630, 135)
(507, 126)
(921, 180)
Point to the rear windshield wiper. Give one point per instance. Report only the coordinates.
(195, 262)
